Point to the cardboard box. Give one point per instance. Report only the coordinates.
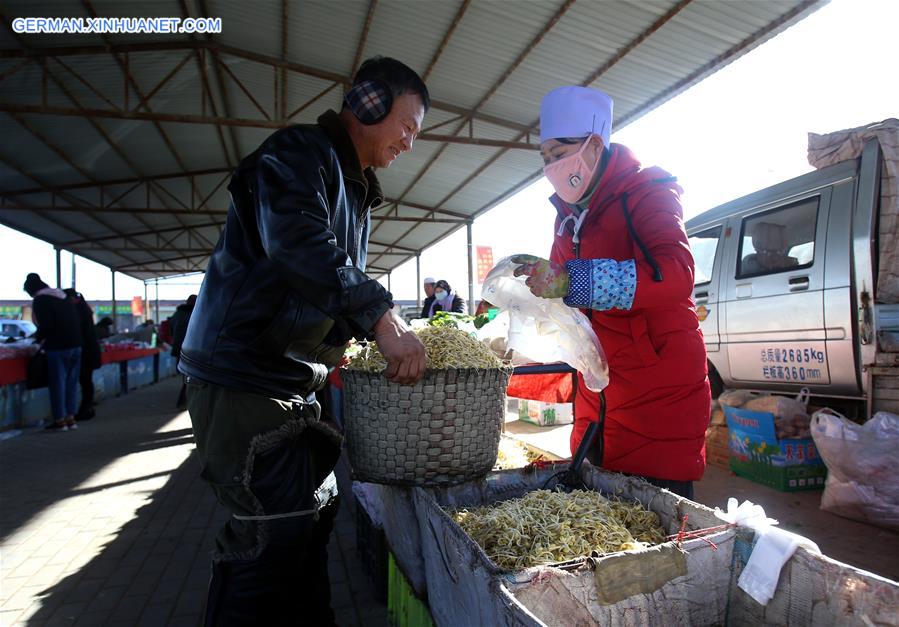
(717, 448)
(756, 453)
(545, 414)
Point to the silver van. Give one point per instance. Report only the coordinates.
(786, 293)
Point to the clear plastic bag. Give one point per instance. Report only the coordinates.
(791, 419)
(546, 330)
(862, 466)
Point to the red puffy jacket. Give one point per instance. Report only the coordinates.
(658, 397)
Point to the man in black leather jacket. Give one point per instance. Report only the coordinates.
(284, 291)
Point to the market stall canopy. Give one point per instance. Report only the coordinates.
(118, 147)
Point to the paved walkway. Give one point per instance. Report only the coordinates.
(110, 524)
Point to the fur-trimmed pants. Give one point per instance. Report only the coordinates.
(270, 464)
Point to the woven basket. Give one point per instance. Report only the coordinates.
(443, 430)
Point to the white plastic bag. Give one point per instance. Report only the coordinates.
(862, 466)
(773, 548)
(546, 329)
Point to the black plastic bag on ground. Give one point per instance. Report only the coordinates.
(37, 375)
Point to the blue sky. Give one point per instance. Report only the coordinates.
(742, 129)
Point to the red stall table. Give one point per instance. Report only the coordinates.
(14, 362)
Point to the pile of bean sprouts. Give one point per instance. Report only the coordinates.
(544, 527)
(446, 347)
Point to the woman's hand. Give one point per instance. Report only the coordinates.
(546, 278)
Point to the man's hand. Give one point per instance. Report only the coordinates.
(546, 278)
(404, 352)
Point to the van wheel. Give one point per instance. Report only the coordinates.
(715, 382)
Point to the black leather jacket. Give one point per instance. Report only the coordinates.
(285, 287)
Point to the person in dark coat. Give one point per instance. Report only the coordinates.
(104, 328)
(445, 299)
(90, 354)
(179, 322)
(284, 291)
(59, 333)
(428, 284)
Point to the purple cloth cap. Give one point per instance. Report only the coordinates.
(575, 111)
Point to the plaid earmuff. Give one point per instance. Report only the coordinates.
(370, 101)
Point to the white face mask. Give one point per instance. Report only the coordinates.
(570, 176)
(439, 294)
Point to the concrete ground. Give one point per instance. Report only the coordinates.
(864, 546)
(111, 525)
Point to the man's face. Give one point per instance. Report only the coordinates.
(394, 135)
(429, 289)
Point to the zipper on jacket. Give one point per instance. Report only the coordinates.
(359, 216)
(656, 270)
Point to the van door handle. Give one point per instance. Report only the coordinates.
(701, 297)
(798, 283)
(744, 290)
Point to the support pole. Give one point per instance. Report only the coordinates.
(389, 289)
(157, 301)
(471, 306)
(418, 281)
(73, 271)
(115, 318)
(146, 306)
(58, 268)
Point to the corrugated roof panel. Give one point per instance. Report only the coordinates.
(486, 130)
(157, 8)
(39, 159)
(388, 231)
(99, 71)
(707, 17)
(598, 39)
(438, 121)
(489, 184)
(416, 238)
(487, 41)
(301, 89)
(489, 38)
(140, 142)
(408, 31)
(74, 225)
(52, 8)
(63, 227)
(214, 189)
(455, 164)
(27, 87)
(79, 141)
(76, 197)
(258, 80)
(197, 145)
(396, 179)
(249, 138)
(252, 25)
(323, 37)
(181, 92)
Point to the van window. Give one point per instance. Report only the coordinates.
(704, 246)
(780, 240)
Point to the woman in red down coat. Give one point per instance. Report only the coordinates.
(621, 255)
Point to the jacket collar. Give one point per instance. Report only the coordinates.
(619, 166)
(330, 122)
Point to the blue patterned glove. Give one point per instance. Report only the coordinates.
(601, 284)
